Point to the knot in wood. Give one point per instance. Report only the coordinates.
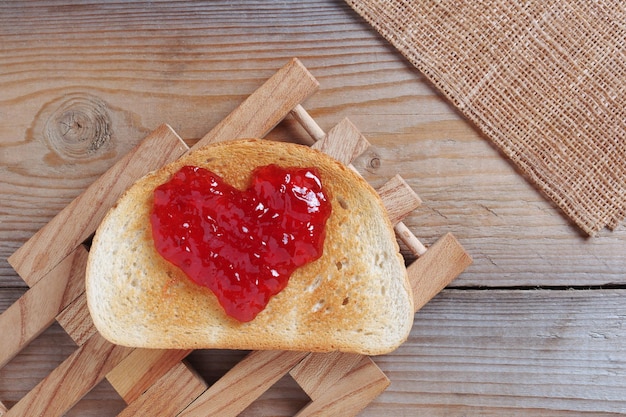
(79, 128)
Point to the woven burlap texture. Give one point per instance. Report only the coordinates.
(545, 81)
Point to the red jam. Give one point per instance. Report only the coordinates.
(243, 245)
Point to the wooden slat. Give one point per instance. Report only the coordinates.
(79, 219)
(320, 371)
(76, 320)
(399, 198)
(344, 142)
(169, 394)
(350, 394)
(32, 313)
(244, 383)
(71, 380)
(139, 370)
(269, 104)
(434, 270)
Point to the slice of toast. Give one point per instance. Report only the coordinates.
(355, 298)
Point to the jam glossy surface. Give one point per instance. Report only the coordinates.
(243, 245)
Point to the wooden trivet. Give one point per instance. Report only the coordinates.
(158, 382)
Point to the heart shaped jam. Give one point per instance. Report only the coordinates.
(243, 245)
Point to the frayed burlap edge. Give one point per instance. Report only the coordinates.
(544, 81)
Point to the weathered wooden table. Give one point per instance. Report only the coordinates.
(535, 326)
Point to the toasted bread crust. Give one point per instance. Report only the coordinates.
(355, 298)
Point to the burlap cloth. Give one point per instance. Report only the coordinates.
(544, 80)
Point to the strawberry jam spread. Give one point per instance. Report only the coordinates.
(243, 245)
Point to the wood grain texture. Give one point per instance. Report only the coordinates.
(259, 113)
(443, 262)
(79, 220)
(317, 372)
(29, 316)
(400, 199)
(338, 383)
(252, 376)
(184, 67)
(169, 394)
(513, 353)
(471, 352)
(343, 142)
(139, 370)
(253, 117)
(350, 394)
(493, 346)
(75, 377)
